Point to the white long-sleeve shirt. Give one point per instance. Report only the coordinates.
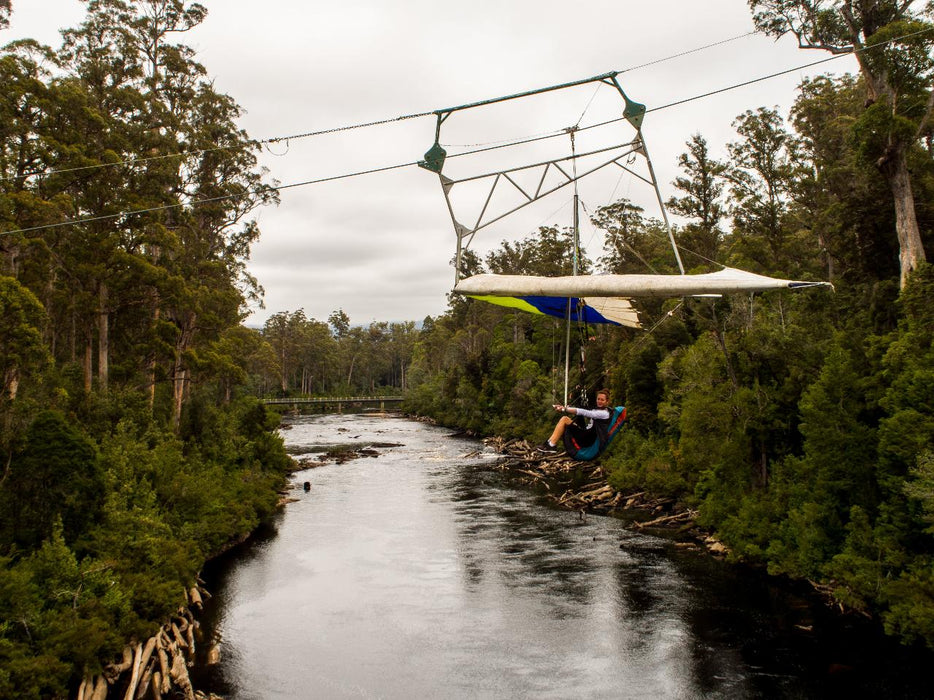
(591, 414)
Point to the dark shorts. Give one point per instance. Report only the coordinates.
(577, 438)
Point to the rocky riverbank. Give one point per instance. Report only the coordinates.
(157, 668)
(582, 486)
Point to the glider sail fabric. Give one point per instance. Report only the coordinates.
(726, 281)
(606, 298)
(589, 310)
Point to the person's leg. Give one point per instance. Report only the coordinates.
(559, 430)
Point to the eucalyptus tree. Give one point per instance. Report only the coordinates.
(208, 284)
(178, 160)
(318, 358)
(24, 105)
(838, 194)
(402, 342)
(101, 131)
(891, 41)
(549, 251)
(762, 169)
(21, 345)
(282, 331)
(702, 184)
(632, 242)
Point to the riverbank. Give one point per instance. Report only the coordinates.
(158, 667)
(583, 487)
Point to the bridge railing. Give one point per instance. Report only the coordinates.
(333, 399)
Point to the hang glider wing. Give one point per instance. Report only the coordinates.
(588, 310)
(726, 281)
(606, 297)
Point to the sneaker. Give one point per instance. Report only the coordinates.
(546, 447)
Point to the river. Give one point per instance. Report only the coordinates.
(424, 572)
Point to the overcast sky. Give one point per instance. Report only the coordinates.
(379, 246)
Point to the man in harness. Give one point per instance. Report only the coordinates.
(584, 442)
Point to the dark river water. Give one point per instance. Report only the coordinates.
(423, 573)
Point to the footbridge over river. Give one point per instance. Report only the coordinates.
(338, 403)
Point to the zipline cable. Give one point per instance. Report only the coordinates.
(276, 188)
(323, 132)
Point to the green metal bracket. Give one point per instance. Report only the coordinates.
(434, 159)
(634, 112)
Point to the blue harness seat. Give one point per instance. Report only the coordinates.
(587, 444)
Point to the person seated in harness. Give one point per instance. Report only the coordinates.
(588, 441)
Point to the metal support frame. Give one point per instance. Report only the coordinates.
(633, 112)
(467, 233)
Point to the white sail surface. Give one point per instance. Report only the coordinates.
(725, 281)
(615, 309)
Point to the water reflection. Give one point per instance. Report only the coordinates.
(422, 573)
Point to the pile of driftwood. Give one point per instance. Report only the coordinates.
(583, 486)
(157, 668)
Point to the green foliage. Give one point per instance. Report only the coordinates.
(21, 346)
(127, 526)
(55, 477)
(60, 615)
(127, 453)
(638, 463)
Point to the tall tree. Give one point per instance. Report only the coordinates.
(838, 195)
(632, 243)
(761, 173)
(891, 40)
(547, 252)
(21, 346)
(702, 185)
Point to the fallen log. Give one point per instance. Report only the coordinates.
(531, 473)
(161, 645)
(686, 515)
(179, 636)
(141, 680)
(100, 689)
(134, 676)
(191, 638)
(156, 685)
(113, 671)
(179, 673)
(194, 595)
(602, 489)
(145, 680)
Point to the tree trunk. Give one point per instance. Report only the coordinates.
(763, 466)
(910, 249)
(103, 339)
(11, 383)
(283, 381)
(88, 362)
(151, 368)
(180, 374)
(721, 343)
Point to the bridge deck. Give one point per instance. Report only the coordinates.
(334, 399)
